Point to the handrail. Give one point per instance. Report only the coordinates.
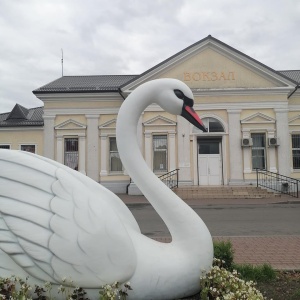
(277, 182)
(170, 179)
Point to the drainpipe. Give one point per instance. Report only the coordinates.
(120, 92)
(296, 88)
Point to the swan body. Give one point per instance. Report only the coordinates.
(55, 222)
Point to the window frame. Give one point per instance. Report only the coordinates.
(110, 156)
(8, 145)
(67, 152)
(154, 137)
(295, 149)
(28, 145)
(263, 148)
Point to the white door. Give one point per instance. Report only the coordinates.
(209, 163)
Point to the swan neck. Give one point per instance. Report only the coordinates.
(181, 220)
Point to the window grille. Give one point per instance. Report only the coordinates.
(258, 151)
(160, 151)
(28, 148)
(4, 146)
(296, 150)
(71, 153)
(115, 164)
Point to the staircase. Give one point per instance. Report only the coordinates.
(223, 192)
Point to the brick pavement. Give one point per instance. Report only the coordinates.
(281, 252)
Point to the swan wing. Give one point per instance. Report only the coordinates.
(54, 225)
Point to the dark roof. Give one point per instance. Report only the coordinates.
(89, 84)
(21, 116)
(292, 74)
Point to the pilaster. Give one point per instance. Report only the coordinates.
(284, 153)
(235, 153)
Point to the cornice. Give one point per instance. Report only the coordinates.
(80, 111)
(28, 128)
(242, 91)
(93, 97)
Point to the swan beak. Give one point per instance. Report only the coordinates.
(189, 114)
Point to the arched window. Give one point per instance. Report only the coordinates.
(212, 125)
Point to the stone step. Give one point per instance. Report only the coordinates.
(241, 192)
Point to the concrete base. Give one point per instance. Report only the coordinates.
(134, 190)
(117, 187)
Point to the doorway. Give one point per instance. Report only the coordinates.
(210, 162)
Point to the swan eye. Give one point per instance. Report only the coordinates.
(179, 94)
(187, 101)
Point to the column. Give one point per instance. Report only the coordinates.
(60, 149)
(184, 158)
(247, 153)
(92, 169)
(235, 151)
(172, 152)
(272, 154)
(103, 157)
(82, 156)
(148, 149)
(284, 151)
(49, 136)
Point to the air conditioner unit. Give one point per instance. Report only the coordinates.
(273, 141)
(247, 142)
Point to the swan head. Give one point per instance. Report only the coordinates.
(176, 97)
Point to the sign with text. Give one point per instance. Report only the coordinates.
(208, 76)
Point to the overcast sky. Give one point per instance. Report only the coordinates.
(130, 36)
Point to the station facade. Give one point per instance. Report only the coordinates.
(252, 113)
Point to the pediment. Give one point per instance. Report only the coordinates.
(109, 124)
(211, 64)
(70, 125)
(160, 121)
(295, 121)
(258, 118)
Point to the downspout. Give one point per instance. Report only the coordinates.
(296, 88)
(127, 186)
(120, 92)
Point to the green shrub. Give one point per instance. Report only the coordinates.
(224, 252)
(256, 273)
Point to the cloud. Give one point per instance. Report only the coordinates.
(129, 37)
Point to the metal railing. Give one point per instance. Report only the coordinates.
(170, 179)
(279, 183)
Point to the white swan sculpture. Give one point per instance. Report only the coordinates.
(56, 222)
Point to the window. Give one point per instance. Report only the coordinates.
(28, 148)
(296, 150)
(71, 153)
(258, 151)
(211, 124)
(160, 149)
(4, 146)
(115, 164)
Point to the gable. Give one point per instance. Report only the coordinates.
(211, 64)
(295, 121)
(258, 118)
(109, 124)
(70, 125)
(159, 121)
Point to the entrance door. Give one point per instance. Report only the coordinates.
(209, 163)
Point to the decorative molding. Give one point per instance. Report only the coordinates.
(159, 121)
(70, 125)
(111, 124)
(258, 118)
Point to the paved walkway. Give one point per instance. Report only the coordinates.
(281, 252)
